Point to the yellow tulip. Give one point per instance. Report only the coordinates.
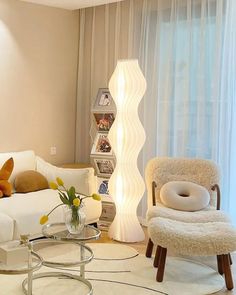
(96, 197)
(43, 219)
(53, 185)
(76, 202)
(59, 181)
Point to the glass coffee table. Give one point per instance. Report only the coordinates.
(28, 267)
(62, 250)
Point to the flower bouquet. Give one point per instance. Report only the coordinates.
(74, 217)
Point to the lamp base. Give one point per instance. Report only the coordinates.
(126, 228)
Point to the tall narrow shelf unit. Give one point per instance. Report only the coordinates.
(102, 157)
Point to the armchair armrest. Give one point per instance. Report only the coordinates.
(154, 185)
(83, 179)
(216, 188)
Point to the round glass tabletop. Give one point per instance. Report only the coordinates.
(22, 268)
(59, 253)
(58, 231)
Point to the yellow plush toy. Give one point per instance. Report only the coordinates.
(5, 173)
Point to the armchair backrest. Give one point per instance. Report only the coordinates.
(164, 169)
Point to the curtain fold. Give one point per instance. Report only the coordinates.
(182, 47)
(226, 156)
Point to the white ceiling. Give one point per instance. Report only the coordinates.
(71, 4)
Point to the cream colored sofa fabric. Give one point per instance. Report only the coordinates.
(7, 227)
(21, 212)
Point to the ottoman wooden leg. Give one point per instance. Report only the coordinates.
(220, 264)
(149, 248)
(161, 265)
(230, 259)
(157, 256)
(227, 272)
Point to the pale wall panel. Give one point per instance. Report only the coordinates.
(38, 76)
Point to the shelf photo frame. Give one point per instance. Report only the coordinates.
(101, 145)
(104, 121)
(103, 186)
(104, 101)
(104, 167)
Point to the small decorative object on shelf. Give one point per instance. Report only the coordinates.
(107, 216)
(103, 186)
(73, 202)
(104, 121)
(101, 145)
(104, 101)
(103, 166)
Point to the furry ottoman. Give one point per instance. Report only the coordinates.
(194, 239)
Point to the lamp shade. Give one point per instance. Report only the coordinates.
(127, 136)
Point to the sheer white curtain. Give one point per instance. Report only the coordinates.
(226, 145)
(179, 44)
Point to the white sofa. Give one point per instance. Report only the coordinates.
(20, 213)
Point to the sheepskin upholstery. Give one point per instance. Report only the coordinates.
(195, 239)
(164, 169)
(184, 195)
(190, 217)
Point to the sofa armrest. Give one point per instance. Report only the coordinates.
(83, 179)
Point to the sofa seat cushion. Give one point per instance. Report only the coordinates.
(208, 214)
(26, 210)
(7, 228)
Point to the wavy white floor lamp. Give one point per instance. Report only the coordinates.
(127, 136)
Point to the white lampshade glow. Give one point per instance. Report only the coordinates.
(127, 136)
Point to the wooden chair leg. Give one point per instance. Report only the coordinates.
(161, 265)
(157, 256)
(227, 272)
(149, 248)
(220, 264)
(230, 259)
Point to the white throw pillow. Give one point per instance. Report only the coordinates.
(82, 179)
(24, 160)
(184, 196)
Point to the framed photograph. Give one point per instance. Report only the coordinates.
(103, 186)
(103, 167)
(101, 145)
(104, 100)
(104, 121)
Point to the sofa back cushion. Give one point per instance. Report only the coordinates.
(30, 181)
(82, 179)
(24, 160)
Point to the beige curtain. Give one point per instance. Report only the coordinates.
(108, 33)
(178, 45)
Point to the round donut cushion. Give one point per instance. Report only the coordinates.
(184, 196)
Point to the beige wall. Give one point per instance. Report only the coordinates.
(38, 73)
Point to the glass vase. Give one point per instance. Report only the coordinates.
(74, 219)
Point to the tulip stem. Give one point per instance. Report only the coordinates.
(55, 208)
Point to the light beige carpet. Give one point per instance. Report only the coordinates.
(119, 270)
